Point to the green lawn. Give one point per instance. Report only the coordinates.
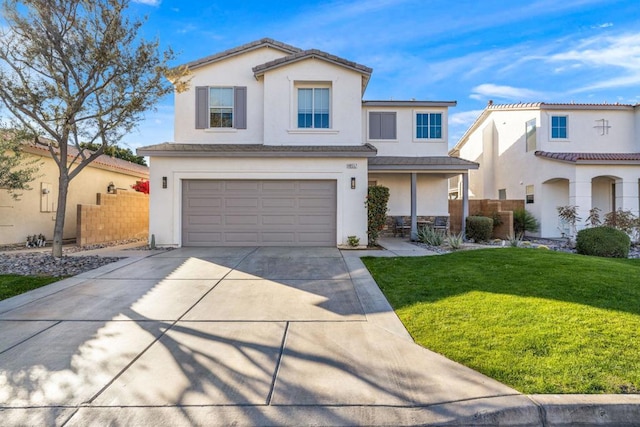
(12, 284)
(537, 320)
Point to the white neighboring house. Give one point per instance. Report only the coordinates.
(551, 155)
(274, 146)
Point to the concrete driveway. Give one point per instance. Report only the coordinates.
(221, 336)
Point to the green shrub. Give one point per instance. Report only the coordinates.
(377, 198)
(523, 220)
(479, 228)
(431, 236)
(603, 241)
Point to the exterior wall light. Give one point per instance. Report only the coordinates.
(111, 188)
(164, 182)
(353, 182)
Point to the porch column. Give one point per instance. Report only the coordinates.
(580, 196)
(414, 217)
(465, 202)
(627, 195)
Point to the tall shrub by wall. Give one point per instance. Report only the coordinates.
(377, 200)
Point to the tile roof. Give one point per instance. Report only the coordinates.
(406, 103)
(241, 49)
(558, 106)
(103, 160)
(310, 53)
(420, 163)
(253, 150)
(590, 157)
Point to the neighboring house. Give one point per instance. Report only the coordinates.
(34, 212)
(550, 155)
(274, 146)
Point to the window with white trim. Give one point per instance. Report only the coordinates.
(428, 125)
(529, 194)
(559, 127)
(313, 107)
(221, 107)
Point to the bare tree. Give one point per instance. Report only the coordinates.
(77, 70)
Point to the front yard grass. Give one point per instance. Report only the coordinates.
(13, 284)
(539, 321)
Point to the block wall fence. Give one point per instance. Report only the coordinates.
(120, 216)
(486, 207)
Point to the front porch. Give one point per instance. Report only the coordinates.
(418, 186)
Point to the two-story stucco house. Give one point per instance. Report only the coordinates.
(274, 146)
(586, 155)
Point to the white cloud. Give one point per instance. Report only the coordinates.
(148, 2)
(603, 25)
(490, 90)
(618, 55)
(465, 118)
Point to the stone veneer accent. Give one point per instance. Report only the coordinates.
(119, 216)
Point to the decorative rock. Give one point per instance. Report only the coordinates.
(43, 264)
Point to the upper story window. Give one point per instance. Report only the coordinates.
(382, 125)
(221, 107)
(313, 108)
(559, 127)
(530, 132)
(429, 126)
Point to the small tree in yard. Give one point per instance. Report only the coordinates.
(77, 70)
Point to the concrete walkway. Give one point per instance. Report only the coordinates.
(245, 336)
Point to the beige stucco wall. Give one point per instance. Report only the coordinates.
(431, 197)
(406, 144)
(29, 216)
(233, 71)
(280, 110)
(165, 210)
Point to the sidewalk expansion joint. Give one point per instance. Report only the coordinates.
(278, 363)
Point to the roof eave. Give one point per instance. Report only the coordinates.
(439, 168)
(229, 53)
(405, 103)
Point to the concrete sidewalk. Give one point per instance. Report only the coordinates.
(245, 336)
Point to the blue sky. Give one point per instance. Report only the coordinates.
(585, 51)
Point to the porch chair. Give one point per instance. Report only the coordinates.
(399, 226)
(440, 223)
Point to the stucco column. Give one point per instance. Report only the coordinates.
(580, 196)
(414, 216)
(627, 193)
(465, 202)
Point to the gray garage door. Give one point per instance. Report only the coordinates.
(258, 212)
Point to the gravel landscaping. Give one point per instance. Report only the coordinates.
(39, 262)
(43, 264)
(550, 244)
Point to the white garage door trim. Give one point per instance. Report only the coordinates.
(259, 212)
